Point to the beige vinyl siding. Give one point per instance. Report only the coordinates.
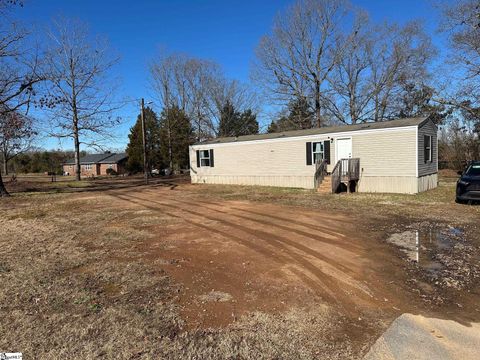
(428, 168)
(275, 163)
(387, 153)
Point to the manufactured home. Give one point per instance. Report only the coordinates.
(397, 156)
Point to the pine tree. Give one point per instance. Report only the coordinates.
(416, 101)
(135, 145)
(273, 127)
(234, 123)
(299, 116)
(176, 136)
(228, 120)
(248, 124)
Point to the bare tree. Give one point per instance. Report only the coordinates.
(295, 60)
(16, 136)
(182, 81)
(19, 71)
(371, 76)
(458, 143)
(403, 56)
(222, 91)
(80, 91)
(461, 22)
(349, 100)
(460, 88)
(199, 88)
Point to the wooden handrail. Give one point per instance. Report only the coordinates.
(345, 170)
(320, 172)
(336, 176)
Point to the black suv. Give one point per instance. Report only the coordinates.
(468, 186)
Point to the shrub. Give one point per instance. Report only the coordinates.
(111, 172)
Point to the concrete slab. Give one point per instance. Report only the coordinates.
(420, 338)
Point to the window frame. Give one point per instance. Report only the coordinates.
(205, 159)
(428, 146)
(322, 146)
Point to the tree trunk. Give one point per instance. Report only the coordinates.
(317, 104)
(77, 158)
(76, 142)
(5, 165)
(75, 120)
(170, 152)
(353, 109)
(3, 190)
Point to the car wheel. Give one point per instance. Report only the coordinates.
(458, 201)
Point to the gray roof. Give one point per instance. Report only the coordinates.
(319, 131)
(108, 158)
(114, 158)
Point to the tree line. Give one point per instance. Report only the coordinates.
(324, 62)
(39, 161)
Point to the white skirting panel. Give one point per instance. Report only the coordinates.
(388, 184)
(367, 184)
(427, 182)
(304, 182)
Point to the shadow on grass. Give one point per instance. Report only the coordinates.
(97, 185)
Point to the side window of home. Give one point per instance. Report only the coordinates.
(317, 152)
(427, 147)
(204, 158)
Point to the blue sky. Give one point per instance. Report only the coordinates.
(226, 32)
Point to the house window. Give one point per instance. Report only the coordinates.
(87, 167)
(204, 158)
(317, 152)
(428, 148)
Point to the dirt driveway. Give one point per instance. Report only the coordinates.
(235, 257)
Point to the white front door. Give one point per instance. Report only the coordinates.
(344, 148)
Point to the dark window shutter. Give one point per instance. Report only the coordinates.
(326, 150)
(211, 158)
(425, 148)
(309, 153)
(431, 147)
(198, 158)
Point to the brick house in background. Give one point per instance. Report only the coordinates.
(97, 164)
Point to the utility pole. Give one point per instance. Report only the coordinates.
(169, 132)
(144, 136)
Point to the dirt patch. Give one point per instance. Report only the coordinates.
(215, 296)
(265, 261)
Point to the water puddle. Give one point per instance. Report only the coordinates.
(427, 248)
